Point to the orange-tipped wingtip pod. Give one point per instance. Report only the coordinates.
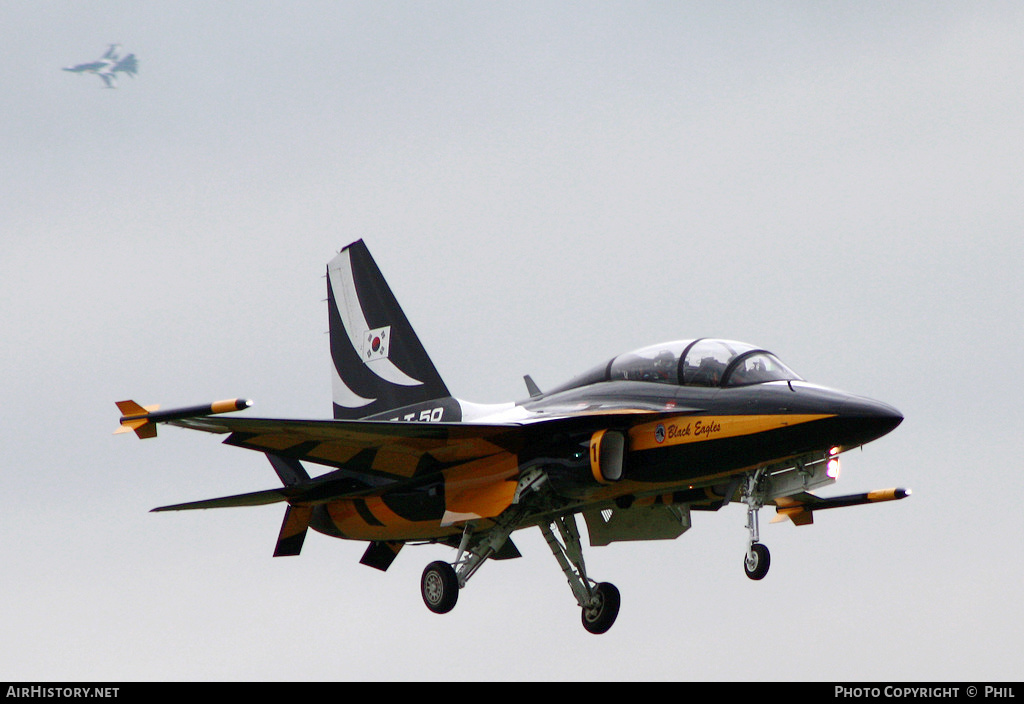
(800, 509)
(143, 419)
(888, 494)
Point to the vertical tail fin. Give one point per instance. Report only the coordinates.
(379, 362)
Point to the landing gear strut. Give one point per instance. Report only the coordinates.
(599, 601)
(758, 559)
(441, 581)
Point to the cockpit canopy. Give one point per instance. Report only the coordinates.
(702, 362)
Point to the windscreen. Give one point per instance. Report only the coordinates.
(756, 368)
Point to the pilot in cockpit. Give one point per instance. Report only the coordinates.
(664, 366)
(709, 373)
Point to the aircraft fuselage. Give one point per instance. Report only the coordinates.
(686, 453)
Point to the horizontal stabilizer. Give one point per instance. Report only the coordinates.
(800, 508)
(324, 489)
(256, 498)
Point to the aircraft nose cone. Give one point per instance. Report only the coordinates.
(864, 419)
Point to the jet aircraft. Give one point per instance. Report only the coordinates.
(108, 66)
(636, 445)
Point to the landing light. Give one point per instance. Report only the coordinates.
(834, 450)
(832, 469)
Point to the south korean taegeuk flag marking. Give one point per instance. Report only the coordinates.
(375, 343)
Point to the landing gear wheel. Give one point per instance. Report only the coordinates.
(757, 561)
(600, 617)
(439, 587)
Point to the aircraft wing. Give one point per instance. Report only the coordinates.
(388, 449)
(479, 461)
(396, 449)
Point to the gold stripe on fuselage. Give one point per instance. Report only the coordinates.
(689, 429)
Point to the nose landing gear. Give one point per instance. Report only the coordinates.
(757, 560)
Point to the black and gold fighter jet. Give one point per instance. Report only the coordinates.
(634, 445)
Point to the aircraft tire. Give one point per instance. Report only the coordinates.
(757, 563)
(600, 618)
(439, 587)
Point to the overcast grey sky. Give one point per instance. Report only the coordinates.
(544, 185)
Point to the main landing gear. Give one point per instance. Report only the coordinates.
(439, 586)
(757, 560)
(599, 601)
(441, 581)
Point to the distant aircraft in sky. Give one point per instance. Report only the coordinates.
(635, 445)
(108, 65)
